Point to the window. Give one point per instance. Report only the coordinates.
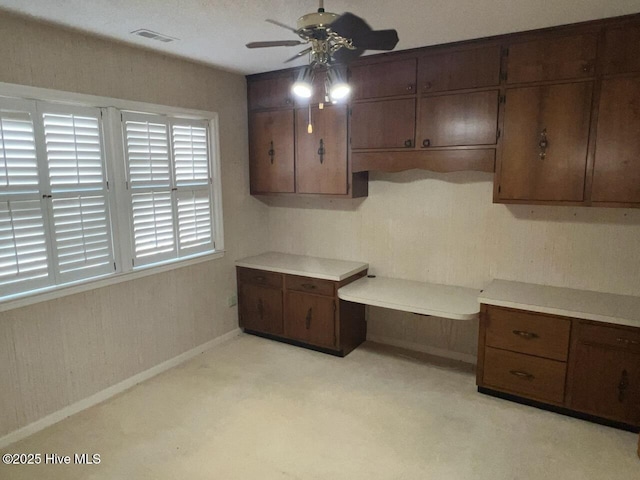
(62, 221)
(169, 178)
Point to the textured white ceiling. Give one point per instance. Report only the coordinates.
(215, 31)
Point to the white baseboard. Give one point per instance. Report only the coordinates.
(418, 347)
(111, 391)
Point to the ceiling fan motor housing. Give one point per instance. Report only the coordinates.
(316, 19)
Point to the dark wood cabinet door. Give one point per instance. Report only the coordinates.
(616, 175)
(474, 68)
(274, 92)
(383, 124)
(606, 382)
(385, 79)
(261, 309)
(545, 141)
(271, 151)
(455, 120)
(321, 156)
(555, 58)
(310, 319)
(621, 50)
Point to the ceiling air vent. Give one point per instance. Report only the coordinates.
(153, 35)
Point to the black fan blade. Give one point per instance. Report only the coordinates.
(344, 55)
(298, 55)
(280, 24)
(355, 28)
(378, 40)
(349, 25)
(276, 43)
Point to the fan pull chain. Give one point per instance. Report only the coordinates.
(310, 127)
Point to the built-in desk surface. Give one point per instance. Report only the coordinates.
(567, 302)
(305, 266)
(458, 303)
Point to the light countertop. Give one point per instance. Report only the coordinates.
(458, 303)
(568, 302)
(323, 268)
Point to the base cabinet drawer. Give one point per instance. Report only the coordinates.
(531, 333)
(537, 378)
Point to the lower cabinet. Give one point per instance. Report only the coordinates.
(304, 311)
(605, 368)
(587, 369)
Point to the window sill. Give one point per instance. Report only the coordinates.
(58, 291)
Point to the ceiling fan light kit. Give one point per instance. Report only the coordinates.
(332, 39)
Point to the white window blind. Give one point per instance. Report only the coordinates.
(89, 192)
(192, 173)
(79, 208)
(24, 255)
(169, 178)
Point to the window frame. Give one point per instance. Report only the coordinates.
(118, 203)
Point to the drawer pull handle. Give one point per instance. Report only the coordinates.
(272, 152)
(309, 286)
(307, 322)
(523, 375)
(260, 279)
(626, 341)
(527, 335)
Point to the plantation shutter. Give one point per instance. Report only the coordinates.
(23, 244)
(193, 178)
(148, 158)
(79, 207)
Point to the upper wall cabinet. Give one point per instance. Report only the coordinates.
(616, 174)
(270, 92)
(271, 151)
(384, 79)
(621, 50)
(457, 70)
(556, 58)
(544, 149)
(383, 124)
(284, 158)
(458, 120)
(320, 155)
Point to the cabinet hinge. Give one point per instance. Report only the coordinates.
(498, 134)
(502, 99)
(499, 188)
(505, 52)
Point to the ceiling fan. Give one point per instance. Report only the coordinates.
(332, 38)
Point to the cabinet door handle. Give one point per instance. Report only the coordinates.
(308, 286)
(623, 385)
(307, 322)
(427, 86)
(408, 143)
(523, 375)
(321, 151)
(527, 335)
(272, 152)
(410, 88)
(544, 144)
(260, 309)
(426, 143)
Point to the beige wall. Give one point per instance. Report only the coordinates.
(55, 353)
(444, 228)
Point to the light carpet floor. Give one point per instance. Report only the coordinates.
(257, 409)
